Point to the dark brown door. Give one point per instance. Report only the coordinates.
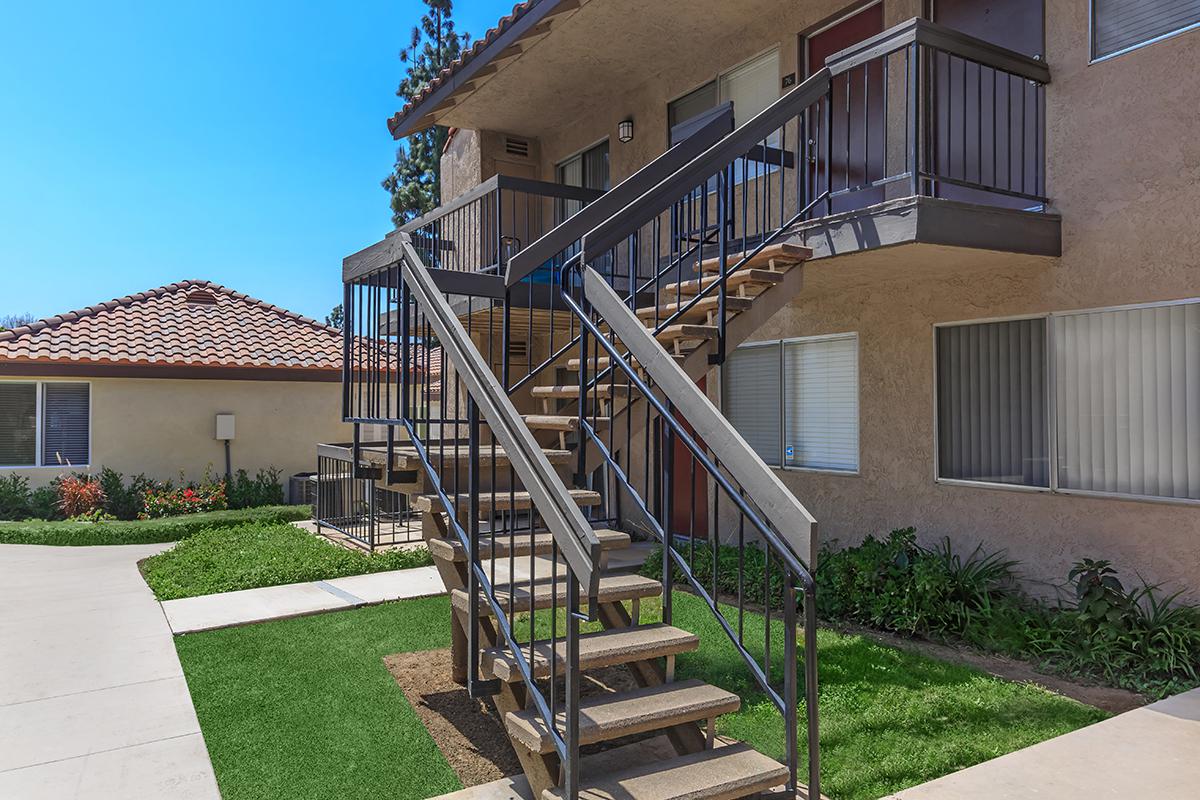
(857, 153)
(988, 129)
(689, 487)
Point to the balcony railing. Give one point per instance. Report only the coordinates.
(481, 229)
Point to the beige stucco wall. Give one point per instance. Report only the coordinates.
(1123, 166)
(162, 426)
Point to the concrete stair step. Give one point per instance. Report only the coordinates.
(611, 716)
(612, 589)
(651, 315)
(520, 544)
(570, 392)
(603, 362)
(552, 422)
(604, 649)
(774, 256)
(723, 773)
(743, 278)
(501, 501)
(407, 459)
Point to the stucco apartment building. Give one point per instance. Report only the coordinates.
(1003, 348)
(137, 384)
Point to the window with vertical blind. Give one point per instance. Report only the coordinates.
(796, 401)
(992, 403)
(44, 424)
(1127, 399)
(1119, 409)
(1121, 25)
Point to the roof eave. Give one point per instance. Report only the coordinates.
(420, 116)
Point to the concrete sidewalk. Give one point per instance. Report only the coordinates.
(212, 611)
(1153, 751)
(93, 702)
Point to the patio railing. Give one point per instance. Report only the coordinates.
(364, 514)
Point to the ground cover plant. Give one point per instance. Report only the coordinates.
(305, 707)
(149, 531)
(262, 554)
(1137, 639)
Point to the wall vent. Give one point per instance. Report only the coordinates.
(516, 147)
(201, 297)
(518, 349)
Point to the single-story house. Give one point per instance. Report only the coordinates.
(137, 384)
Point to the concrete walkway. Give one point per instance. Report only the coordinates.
(93, 702)
(1153, 751)
(212, 611)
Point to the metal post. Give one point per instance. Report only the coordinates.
(571, 765)
(723, 186)
(473, 535)
(914, 118)
(810, 691)
(789, 681)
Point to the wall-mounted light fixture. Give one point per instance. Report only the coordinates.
(625, 130)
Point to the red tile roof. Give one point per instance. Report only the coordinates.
(185, 324)
(477, 47)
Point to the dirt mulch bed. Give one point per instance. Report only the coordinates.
(1109, 699)
(469, 732)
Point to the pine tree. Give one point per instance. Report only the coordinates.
(415, 180)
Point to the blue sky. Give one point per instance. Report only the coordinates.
(238, 141)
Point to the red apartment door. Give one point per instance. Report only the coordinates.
(689, 487)
(857, 154)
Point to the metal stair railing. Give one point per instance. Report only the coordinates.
(412, 365)
(686, 439)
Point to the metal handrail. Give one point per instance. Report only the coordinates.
(557, 191)
(574, 536)
(939, 37)
(664, 194)
(783, 511)
(570, 231)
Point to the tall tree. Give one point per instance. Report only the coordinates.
(415, 180)
(336, 318)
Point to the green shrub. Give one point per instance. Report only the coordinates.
(170, 529)
(259, 554)
(1138, 640)
(264, 489)
(14, 497)
(121, 500)
(43, 503)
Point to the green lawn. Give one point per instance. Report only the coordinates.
(305, 707)
(254, 555)
(141, 531)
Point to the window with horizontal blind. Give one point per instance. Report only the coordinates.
(1121, 25)
(820, 406)
(45, 424)
(65, 424)
(753, 399)
(18, 424)
(795, 401)
(1114, 394)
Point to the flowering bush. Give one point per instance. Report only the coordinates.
(168, 502)
(79, 495)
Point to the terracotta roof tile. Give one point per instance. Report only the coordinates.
(161, 326)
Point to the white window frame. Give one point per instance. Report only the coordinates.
(1095, 59)
(39, 426)
(780, 344)
(1051, 388)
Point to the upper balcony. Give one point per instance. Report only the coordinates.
(920, 135)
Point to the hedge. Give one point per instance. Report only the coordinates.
(147, 531)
